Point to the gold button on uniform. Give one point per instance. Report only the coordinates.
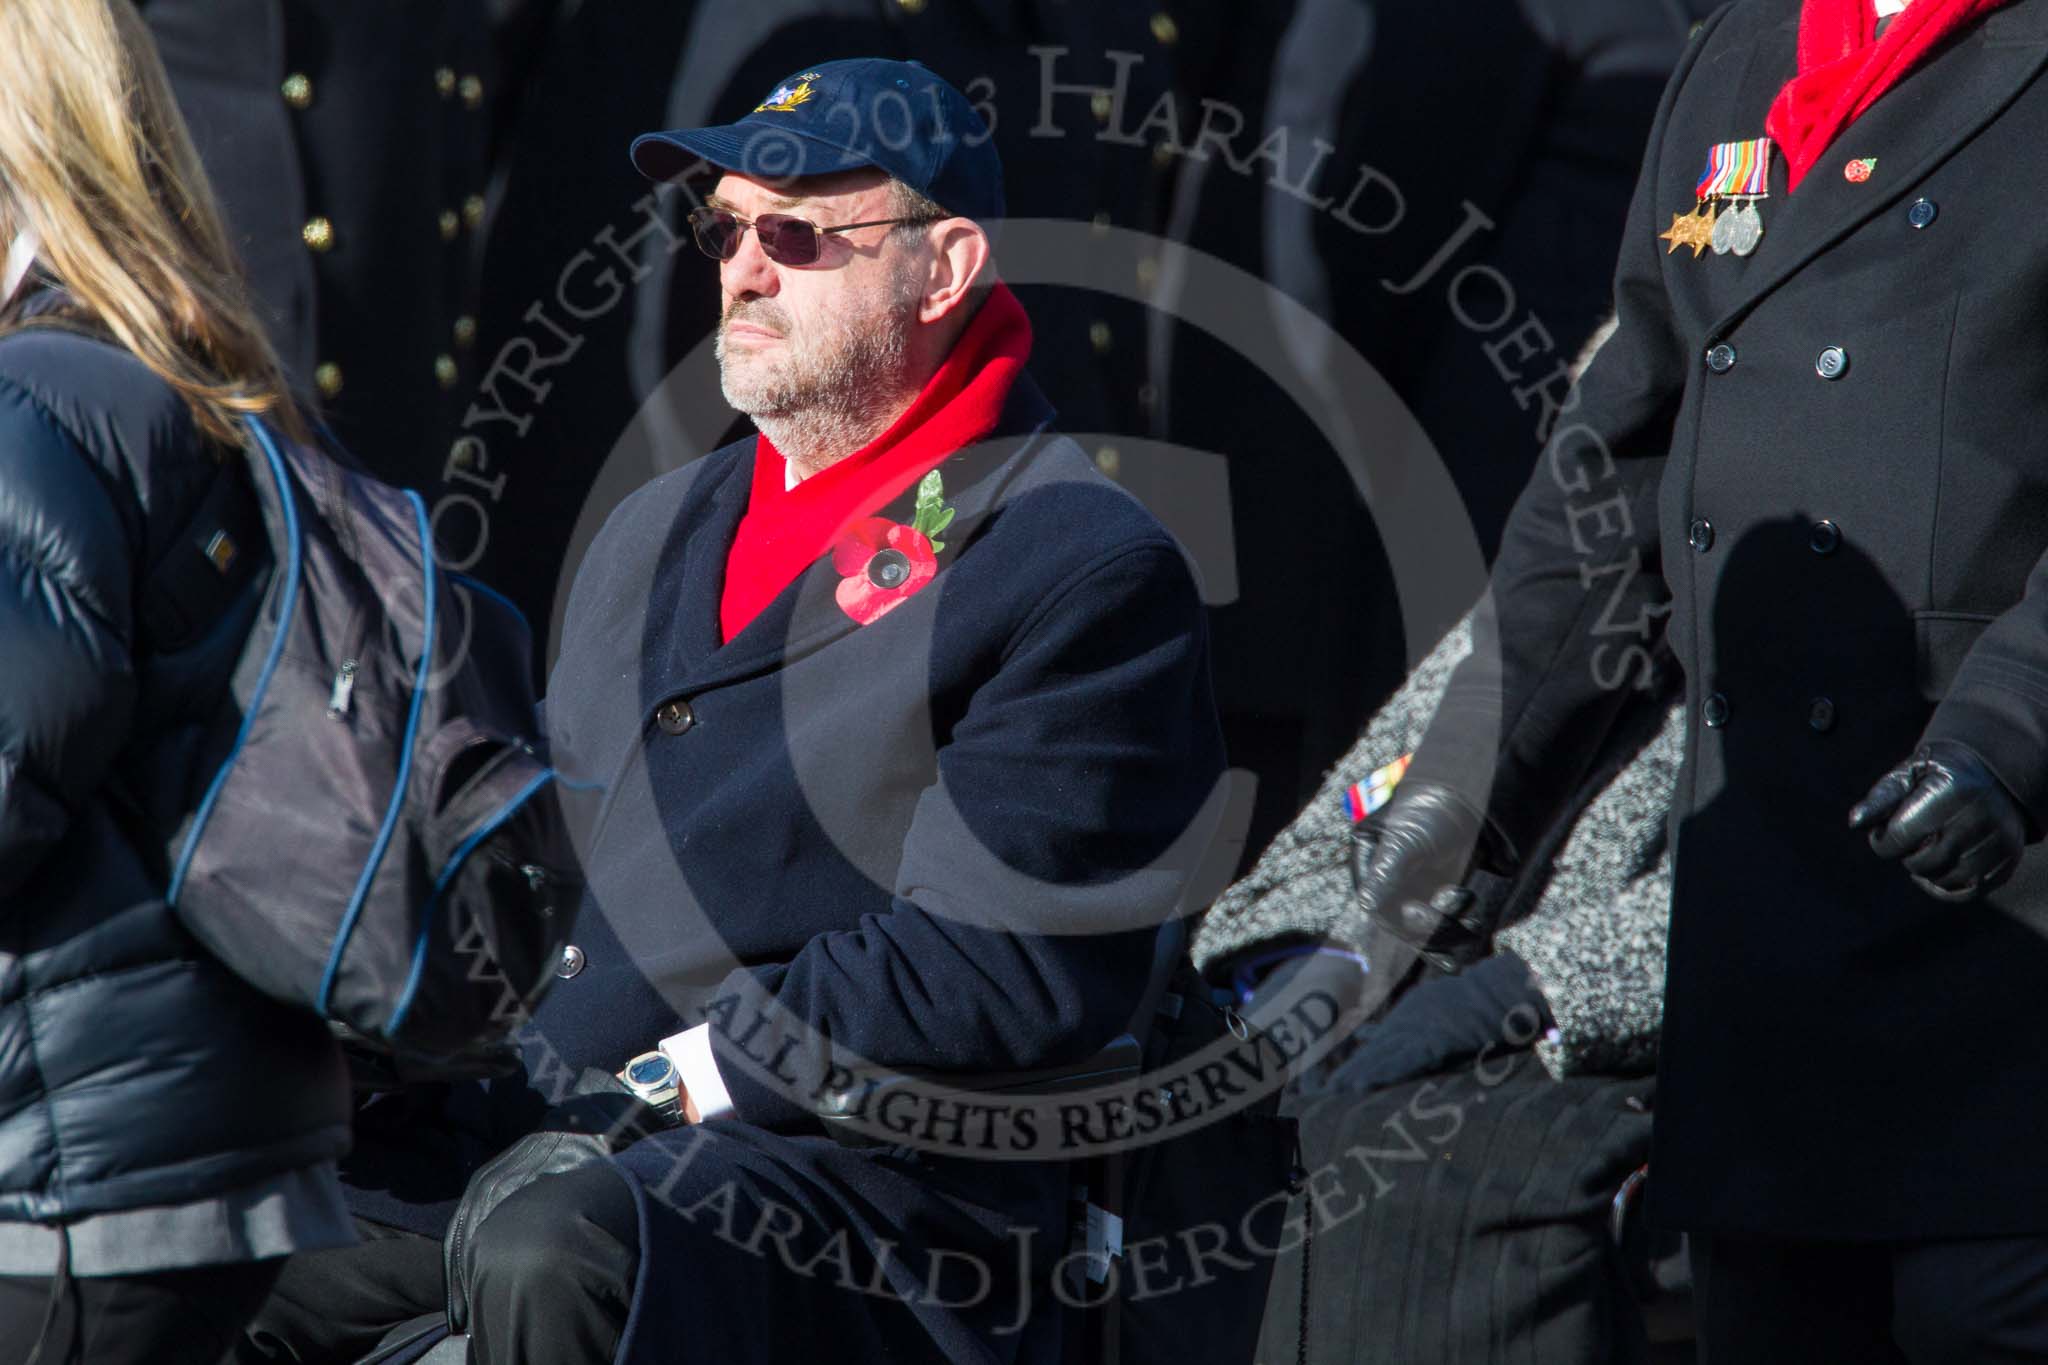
(327, 377)
(298, 90)
(318, 234)
(1163, 153)
(1109, 461)
(444, 81)
(1148, 273)
(472, 92)
(1163, 27)
(1098, 335)
(465, 330)
(444, 370)
(911, 6)
(1101, 104)
(1099, 223)
(450, 224)
(472, 211)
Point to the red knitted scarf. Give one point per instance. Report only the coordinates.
(1844, 68)
(785, 529)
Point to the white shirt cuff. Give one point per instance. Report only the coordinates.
(690, 1052)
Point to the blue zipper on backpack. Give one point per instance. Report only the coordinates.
(412, 724)
(441, 884)
(291, 602)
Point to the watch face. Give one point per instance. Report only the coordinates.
(650, 1071)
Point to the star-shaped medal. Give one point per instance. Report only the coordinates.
(1695, 229)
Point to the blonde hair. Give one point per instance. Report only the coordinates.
(95, 159)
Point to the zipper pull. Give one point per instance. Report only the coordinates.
(344, 688)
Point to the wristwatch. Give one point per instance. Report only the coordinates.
(652, 1077)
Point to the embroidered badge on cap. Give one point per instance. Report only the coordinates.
(788, 96)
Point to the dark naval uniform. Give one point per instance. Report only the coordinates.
(1814, 471)
(348, 145)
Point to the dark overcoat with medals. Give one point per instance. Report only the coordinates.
(1815, 477)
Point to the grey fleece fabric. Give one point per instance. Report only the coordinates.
(1596, 937)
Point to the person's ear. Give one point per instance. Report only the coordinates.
(960, 252)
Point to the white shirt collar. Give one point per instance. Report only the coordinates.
(1887, 8)
(21, 255)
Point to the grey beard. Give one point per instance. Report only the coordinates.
(841, 393)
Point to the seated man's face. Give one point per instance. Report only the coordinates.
(795, 340)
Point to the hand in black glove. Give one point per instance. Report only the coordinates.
(1409, 866)
(601, 1119)
(1958, 829)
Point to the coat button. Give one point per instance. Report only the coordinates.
(1715, 712)
(1923, 213)
(327, 378)
(297, 90)
(1821, 714)
(1826, 536)
(572, 962)
(1833, 363)
(675, 717)
(1721, 358)
(1702, 537)
(450, 223)
(318, 234)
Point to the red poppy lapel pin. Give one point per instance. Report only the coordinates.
(882, 562)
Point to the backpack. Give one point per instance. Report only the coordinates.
(381, 843)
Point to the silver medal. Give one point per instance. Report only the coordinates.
(1745, 229)
(1724, 233)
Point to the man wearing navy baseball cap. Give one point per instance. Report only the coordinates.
(899, 719)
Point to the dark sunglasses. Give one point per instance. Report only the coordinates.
(784, 240)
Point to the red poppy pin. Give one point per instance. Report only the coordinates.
(882, 562)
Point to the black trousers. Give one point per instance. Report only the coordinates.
(554, 1279)
(1762, 1302)
(173, 1317)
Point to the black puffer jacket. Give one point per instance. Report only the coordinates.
(134, 1069)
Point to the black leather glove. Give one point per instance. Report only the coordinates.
(1943, 811)
(1410, 863)
(601, 1119)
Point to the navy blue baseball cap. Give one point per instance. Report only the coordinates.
(897, 117)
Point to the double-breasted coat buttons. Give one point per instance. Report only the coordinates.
(572, 962)
(1715, 711)
(675, 717)
(1923, 213)
(1825, 538)
(1721, 358)
(1833, 363)
(1701, 536)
